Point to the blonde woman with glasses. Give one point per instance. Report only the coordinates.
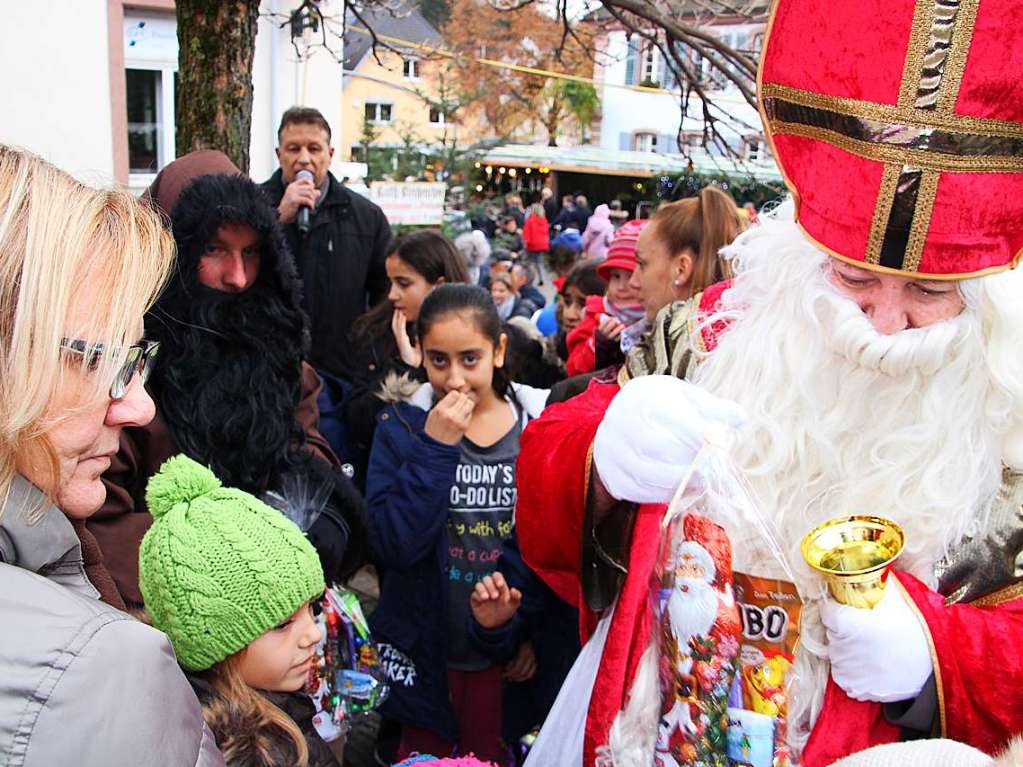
(81, 682)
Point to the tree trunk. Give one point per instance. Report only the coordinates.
(551, 121)
(216, 42)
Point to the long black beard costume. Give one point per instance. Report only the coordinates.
(229, 372)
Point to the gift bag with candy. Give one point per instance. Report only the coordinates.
(726, 616)
(345, 680)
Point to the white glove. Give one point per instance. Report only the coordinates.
(651, 433)
(880, 654)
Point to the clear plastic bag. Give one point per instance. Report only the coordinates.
(346, 679)
(726, 623)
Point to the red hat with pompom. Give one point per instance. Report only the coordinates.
(621, 253)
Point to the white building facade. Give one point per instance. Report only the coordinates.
(90, 84)
(640, 102)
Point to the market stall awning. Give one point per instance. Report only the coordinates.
(609, 162)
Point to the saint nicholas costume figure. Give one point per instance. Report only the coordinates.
(867, 357)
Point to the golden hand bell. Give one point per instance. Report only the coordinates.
(854, 555)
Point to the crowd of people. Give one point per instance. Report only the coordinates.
(396, 449)
(224, 398)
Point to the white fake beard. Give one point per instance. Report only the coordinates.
(845, 420)
(692, 612)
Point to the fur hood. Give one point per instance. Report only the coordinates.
(402, 388)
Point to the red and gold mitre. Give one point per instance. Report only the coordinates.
(898, 126)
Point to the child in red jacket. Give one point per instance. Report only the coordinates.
(615, 321)
(535, 235)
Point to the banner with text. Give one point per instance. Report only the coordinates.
(411, 203)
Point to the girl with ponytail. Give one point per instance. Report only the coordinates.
(677, 254)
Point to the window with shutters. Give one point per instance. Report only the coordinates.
(644, 142)
(663, 75)
(632, 64)
(667, 143)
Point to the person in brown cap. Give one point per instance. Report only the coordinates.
(231, 386)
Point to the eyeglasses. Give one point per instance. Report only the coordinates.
(139, 360)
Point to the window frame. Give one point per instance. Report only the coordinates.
(442, 118)
(644, 137)
(166, 150)
(378, 112)
(410, 68)
(649, 64)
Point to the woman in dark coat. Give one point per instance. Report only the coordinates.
(383, 341)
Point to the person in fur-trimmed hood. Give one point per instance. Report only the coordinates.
(231, 386)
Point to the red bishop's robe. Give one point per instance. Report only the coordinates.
(977, 655)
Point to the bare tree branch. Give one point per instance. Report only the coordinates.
(681, 30)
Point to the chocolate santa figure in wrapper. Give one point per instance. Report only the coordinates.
(700, 642)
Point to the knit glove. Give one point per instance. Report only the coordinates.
(880, 654)
(652, 432)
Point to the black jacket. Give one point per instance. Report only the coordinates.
(374, 356)
(550, 209)
(341, 262)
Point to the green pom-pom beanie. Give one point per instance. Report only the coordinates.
(219, 568)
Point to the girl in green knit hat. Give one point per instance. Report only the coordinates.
(232, 583)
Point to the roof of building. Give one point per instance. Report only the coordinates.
(406, 23)
(610, 162)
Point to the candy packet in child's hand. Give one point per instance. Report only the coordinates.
(345, 679)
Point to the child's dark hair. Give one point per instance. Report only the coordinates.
(561, 259)
(474, 303)
(432, 255)
(585, 279)
(525, 358)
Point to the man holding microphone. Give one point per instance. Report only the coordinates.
(339, 238)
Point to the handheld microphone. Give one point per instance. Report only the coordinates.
(302, 219)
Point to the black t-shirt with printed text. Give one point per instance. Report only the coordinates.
(480, 509)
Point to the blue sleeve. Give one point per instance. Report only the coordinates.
(407, 488)
(498, 644)
(501, 643)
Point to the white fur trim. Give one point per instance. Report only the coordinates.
(1012, 756)
(423, 397)
(1012, 450)
(918, 753)
(533, 401)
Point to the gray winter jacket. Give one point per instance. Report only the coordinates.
(82, 683)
